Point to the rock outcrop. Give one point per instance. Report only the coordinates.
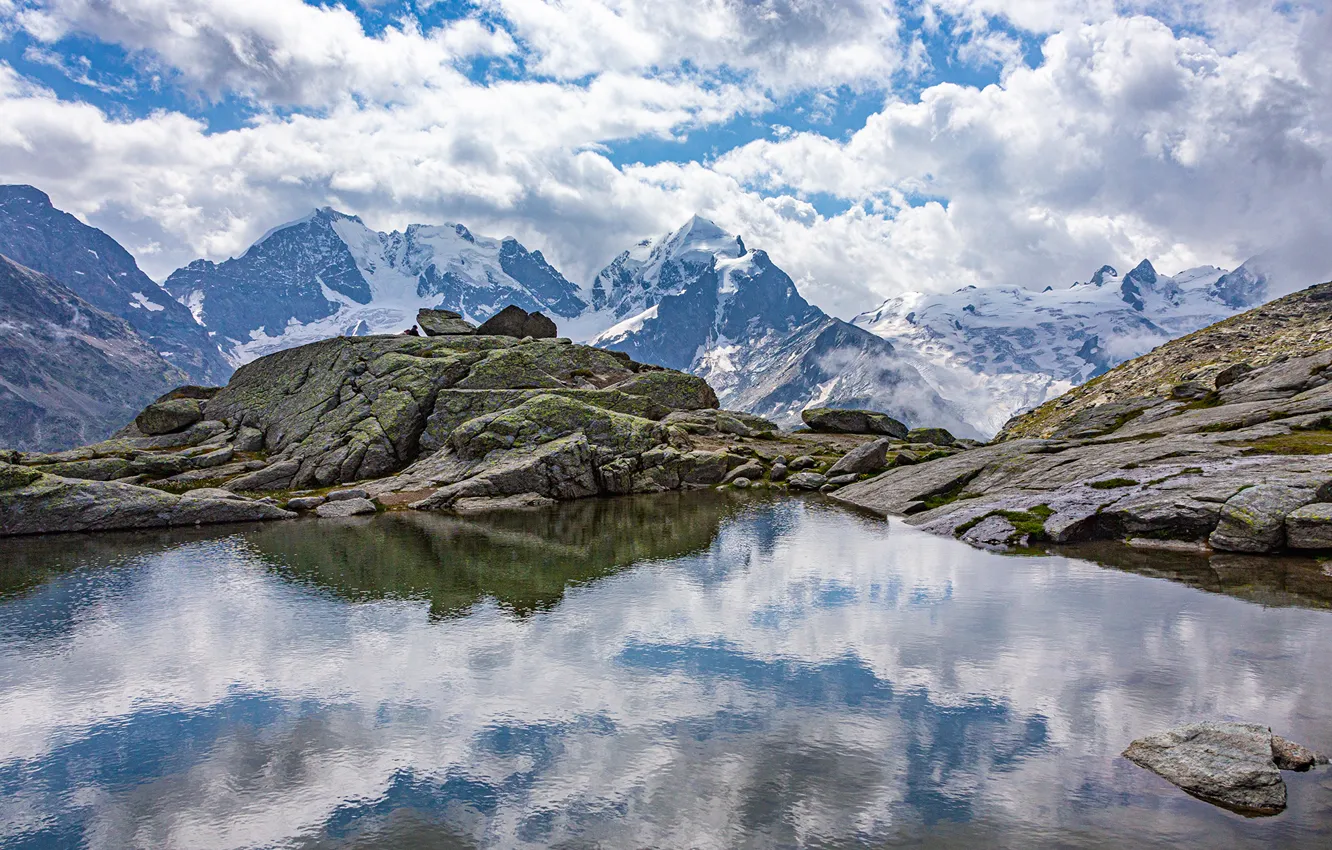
(458, 421)
(1235, 765)
(442, 323)
(1240, 468)
(516, 322)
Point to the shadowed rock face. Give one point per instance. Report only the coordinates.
(1240, 468)
(69, 372)
(516, 322)
(101, 272)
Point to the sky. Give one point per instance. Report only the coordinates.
(870, 147)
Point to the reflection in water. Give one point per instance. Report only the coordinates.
(523, 559)
(686, 671)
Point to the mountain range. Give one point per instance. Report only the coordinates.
(999, 350)
(697, 299)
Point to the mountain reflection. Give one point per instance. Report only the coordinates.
(522, 559)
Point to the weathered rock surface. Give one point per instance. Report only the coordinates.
(871, 457)
(33, 502)
(443, 323)
(1235, 765)
(1239, 469)
(345, 508)
(1310, 527)
(807, 481)
(168, 417)
(516, 322)
(840, 421)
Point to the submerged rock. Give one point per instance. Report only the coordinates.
(1235, 765)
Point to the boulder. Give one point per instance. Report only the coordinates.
(679, 391)
(345, 508)
(516, 322)
(1289, 755)
(741, 483)
(991, 531)
(752, 470)
(1228, 764)
(837, 421)
(842, 480)
(802, 463)
(1310, 527)
(248, 440)
(778, 472)
(933, 436)
(1231, 374)
(168, 417)
(1254, 520)
(305, 503)
(347, 494)
(443, 323)
(807, 481)
(870, 457)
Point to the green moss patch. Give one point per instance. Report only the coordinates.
(1112, 484)
(1029, 523)
(1295, 443)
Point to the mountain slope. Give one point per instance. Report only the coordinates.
(96, 268)
(699, 300)
(1003, 349)
(329, 275)
(70, 373)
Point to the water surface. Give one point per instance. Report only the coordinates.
(692, 670)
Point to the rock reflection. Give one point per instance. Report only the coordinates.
(1265, 580)
(523, 559)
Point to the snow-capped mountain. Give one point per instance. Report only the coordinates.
(328, 274)
(699, 300)
(100, 271)
(995, 351)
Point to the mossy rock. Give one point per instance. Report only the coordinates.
(548, 417)
(675, 390)
(168, 417)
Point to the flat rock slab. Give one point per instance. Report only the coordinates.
(443, 323)
(345, 508)
(1233, 765)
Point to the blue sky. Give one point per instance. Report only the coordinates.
(870, 147)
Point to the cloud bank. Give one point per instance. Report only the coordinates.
(871, 148)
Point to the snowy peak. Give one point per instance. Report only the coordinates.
(329, 273)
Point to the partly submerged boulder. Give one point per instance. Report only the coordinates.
(1234, 765)
(839, 421)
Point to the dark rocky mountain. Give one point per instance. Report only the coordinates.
(97, 269)
(329, 274)
(699, 300)
(69, 372)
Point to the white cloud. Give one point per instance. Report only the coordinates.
(1206, 143)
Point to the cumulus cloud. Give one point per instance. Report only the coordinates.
(1195, 134)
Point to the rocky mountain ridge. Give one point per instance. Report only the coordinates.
(69, 372)
(97, 269)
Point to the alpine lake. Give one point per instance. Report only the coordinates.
(698, 670)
